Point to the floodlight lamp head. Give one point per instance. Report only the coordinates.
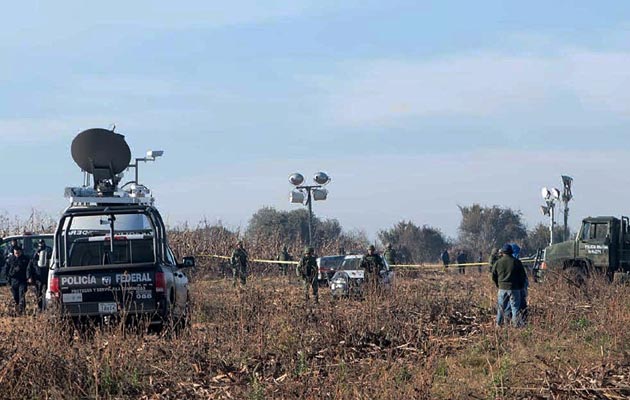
(555, 193)
(153, 154)
(545, 193)
(296, 179)
(320, 194)
(566, 180)
(321, 178)
(296, 196)
(544, 210)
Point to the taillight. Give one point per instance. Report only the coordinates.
(543, 265)
(54, 287)
(160, 282)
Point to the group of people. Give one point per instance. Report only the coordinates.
(21, 271)
(508, 274)
(372, 263)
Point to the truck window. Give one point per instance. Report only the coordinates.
(83, 252)
(594, 231)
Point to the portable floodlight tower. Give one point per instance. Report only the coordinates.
(305, 194)
(566, 198)
(550, 197)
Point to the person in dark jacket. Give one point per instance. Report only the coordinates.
(446, 259)
(509, 276)
(239, 264)
(17, 269)
(462, 258)
(38, 271)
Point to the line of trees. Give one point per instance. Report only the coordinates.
(481, 229)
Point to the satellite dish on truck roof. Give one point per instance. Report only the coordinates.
(100, 149)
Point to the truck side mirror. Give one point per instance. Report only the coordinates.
(189, 262)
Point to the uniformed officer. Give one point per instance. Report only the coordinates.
(307, 269)
(372, 264)
(390, 254)
(17, 270)
(38, 271)
(284, 256)
(239, 264)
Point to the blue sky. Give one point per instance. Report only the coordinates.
(412, 107)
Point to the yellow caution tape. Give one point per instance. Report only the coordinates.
(409, 266)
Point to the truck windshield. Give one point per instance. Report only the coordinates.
(594, 231)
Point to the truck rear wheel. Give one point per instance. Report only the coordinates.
(576, 271)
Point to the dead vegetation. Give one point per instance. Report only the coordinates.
(434, 337)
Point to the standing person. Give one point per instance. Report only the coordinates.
(17, 269)
(372, 264)
(479, 261)
(9, 250)
(38, 271)
(307, 270)
(239, 264)
(446, 259)
(494, 257)
(508, 274)
(390, 255)
(284, 256)
(462, 258)
(341, 251)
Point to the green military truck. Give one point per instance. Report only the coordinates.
(602, 245)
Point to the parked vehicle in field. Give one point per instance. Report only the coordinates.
(602, 245)
(349, 280)
(27, 241)
(111, 256)
(327, 266)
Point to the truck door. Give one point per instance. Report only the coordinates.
(614, 245)
(180, 282)
(624, 244)
(594, 242)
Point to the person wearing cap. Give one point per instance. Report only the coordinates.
(307, 270)
(239, 264)
(390, 254)
(38, 271)
(372, 264)
(284, 256)
(508, 274)
(17, 270)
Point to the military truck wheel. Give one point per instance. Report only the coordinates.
(576, 272)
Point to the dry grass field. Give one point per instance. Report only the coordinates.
(433, 337)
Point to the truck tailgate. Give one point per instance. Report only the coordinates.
(110, 290)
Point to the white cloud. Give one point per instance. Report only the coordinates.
(484, 85)
(46, 130)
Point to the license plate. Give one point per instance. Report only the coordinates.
(107, 308)
(72, 297)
